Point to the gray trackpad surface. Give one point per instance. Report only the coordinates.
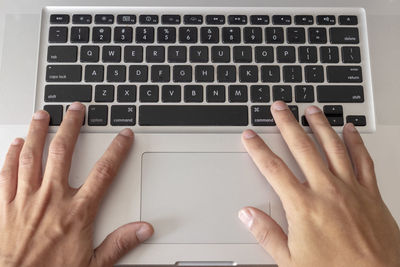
(195, 197)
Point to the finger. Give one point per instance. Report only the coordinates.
(267, 233)
(362, 161)
(9, 172)
(30, 161)
(335, 151)
(302, 147)
(120, 242)
(62, 146)
(106, 168)
(271, 166)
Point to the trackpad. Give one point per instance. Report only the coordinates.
(195, 197)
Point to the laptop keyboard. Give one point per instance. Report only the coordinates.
(216, 69)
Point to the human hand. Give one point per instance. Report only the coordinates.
(45, 222)
(337, 217)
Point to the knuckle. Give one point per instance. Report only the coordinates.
(264, 237)
(121, 245)
(105, 169)
(58, 148)
(337, 148)
(27, 157)
(303, 146)
(273, 165)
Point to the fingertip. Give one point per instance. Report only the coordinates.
(246, 217)
(126, 132)
(76, 106)
(41, 115)
(17, 141)
(279, 106)
(312, 110)
(349, 127)
(248, 134)
(144, 232)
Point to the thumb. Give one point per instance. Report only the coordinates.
(120, 242)
(267, 233)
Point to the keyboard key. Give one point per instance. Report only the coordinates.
(348, 20)
(281, 20)
(308, 54)
(193, 93)
(104, 93)
(304, 93)
(231, 35)
(160, 73)
(215, 19)
(116, 73)
(304, 20)
(155, 54)
(209, 35)
(148, 19)
(296, 35)
(204, 74)
(215, 93)
(264, 54)
(193, 19)
(171, 93)
(274, 35)
(68, 93)
(56, 114)
(62, 53)
(149, 93)
(351, 54)
(333, 110)
(237, 19)
(89, 53)
(357, 120)
(98, 115)
(242, 54)
(170, 19)
(304, 121)
(199, 54)
(101, 35)
(138, 73)
(282, 92)
(168, 115)
(94, 73)
(123, 35)
(104, 19)
(270, 74)
(329, 54)
(252, 35)
(79, 34)
(326, 20)
(259, 19)
(111, 54)
(259, 93)
(81, 19)
(166, 35)
(340, 94)
(126, 19)
(262, 116)
(187, 35)
(126, 93)
(335, 121)
(177, 54)
(220, 54)
(344, 35)
(63, 73)
(226, 74)
(58, 34)
(286, 54)
(123, 115)
(237, 93)
(295, 111)
(314, 74)
(133, 54)
(59, 19)
(248, 74)
(317, 35)
(144, 35)
(292, 74)
(342, 74)
(182, 74)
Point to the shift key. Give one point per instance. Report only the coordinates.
(344, 74)
(68, 93)
(64, 73)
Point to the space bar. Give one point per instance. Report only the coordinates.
(168, 115)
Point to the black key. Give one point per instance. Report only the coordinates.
(177, 54)
(126, 19)
(126, 93)
(204, 74)
(292, 74)
(274, 35)
(333, 110)
(123, 115)
(304, 93)
(304, 121)
(262, 116)
(344, 35)
(304, 20)
(104, 19)
(68, 93)
(104, 93)
(98, 115)
(62, 53)
(56, 114)
(209, 35)
(81, 19)
(248, 74)
(89, 54)
(270, 74)
(286, 54)
(259, 93)
(79, 34)
(220, 54)
(259, 19)
(116, 73)
(182, 74)
(335, 121)
(281, 20)
(226, 74)
(282, 92)
(171, 93)
(314, 74)
(264, 54)
(193, 19)
(133, 54)
(123, 35)
(199, 54)
(238, 93)
(340, 94)
(149, 93)
(215, 19)
(215, 93)
(357, 120)
(170, 19)
(295, 111)
(111, 54)
(63, 73)
(242, 54)
(237, 19)
(59, 19)
(168, 115)
(341, 74)
(148, 19)
(308, 54)
(155, 54)
(296, 35)
(252, 35)
(166, 35)
(144, 35)
(58, 34)
(187, 35)
(101, 35)
(160, 73)
(317, 35)
(351, 54)
(348, 20)
(138, 73)
(94, 73)
(193, 93)
(231, 35)
(326, 20)
(329, 54)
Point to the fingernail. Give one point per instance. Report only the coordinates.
(126, 132)
(17, 141)
(351, 127)
(248, 134)
(76, 106)
(40, 115)
(144, 233)
(246, 217)
(312, 110)
(279, 105)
